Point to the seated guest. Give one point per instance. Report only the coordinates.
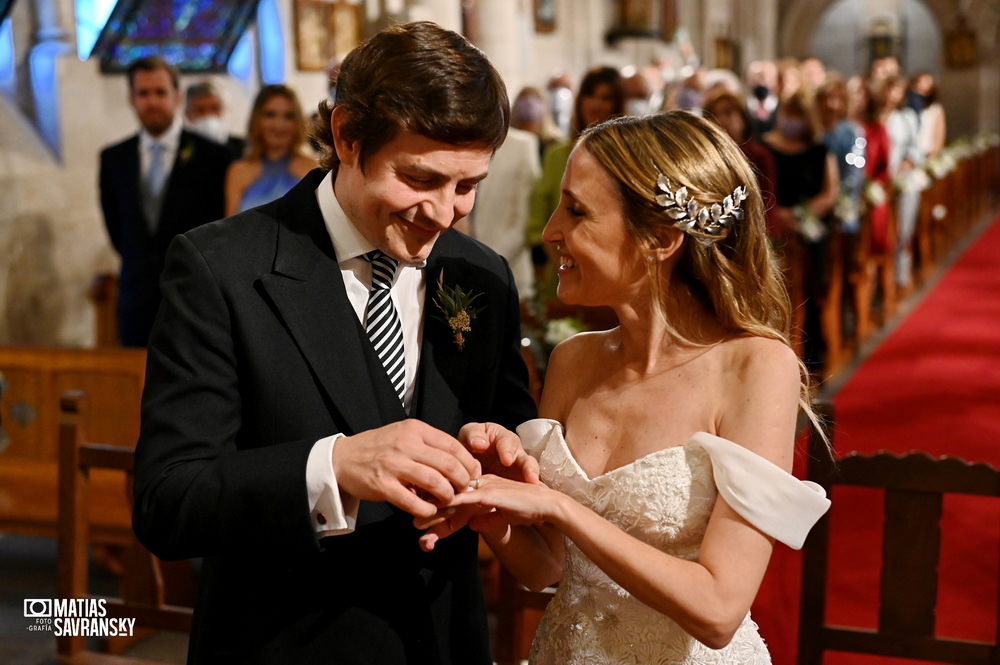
(275, 159)
(204, 112)
(728, 111)
(154, 185)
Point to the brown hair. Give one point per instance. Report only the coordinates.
(736, 278)
(800, 105)
(722, 97)
(598, 76)
(416, 77)
(150, 64)
(255, 144)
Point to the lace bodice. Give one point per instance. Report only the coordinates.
(663, 499)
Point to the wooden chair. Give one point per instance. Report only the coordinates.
(914, 485)
(145, 579)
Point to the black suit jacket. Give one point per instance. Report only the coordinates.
(257, 354)
(194, 194)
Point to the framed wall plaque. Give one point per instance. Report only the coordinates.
(325, 30)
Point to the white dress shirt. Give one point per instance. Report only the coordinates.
(170, 140)
(331, 513)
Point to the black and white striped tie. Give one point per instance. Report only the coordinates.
(383, 324)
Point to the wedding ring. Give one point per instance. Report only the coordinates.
(474, 483)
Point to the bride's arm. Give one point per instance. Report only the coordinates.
(534, 553)
(708, 598)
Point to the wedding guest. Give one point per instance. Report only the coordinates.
(726, 109)
(666, 443)
(762, 102)
(845, 140)
(276, 156)
(601, 97)
(905, 155)
(315, 371)
(923, 95)
(807, 190)
(157, 183)
(204, 112)
(527, 113)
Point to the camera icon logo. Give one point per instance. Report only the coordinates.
(37, 608)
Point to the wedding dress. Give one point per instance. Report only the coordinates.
(664, 499)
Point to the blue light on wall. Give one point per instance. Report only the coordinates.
(45, 88)
(272, 43)
(7, 81)
(91, 15)
(241, 61)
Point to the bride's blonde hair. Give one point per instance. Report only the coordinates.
(736, 277)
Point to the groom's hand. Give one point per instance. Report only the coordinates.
(410, 464)
(500, 451)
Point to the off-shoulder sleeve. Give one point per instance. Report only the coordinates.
(767, 496)
(535, 434)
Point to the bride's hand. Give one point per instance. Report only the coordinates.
(520, 503)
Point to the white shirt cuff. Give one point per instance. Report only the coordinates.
(330, 513)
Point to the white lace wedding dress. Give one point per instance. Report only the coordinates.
(664, 499)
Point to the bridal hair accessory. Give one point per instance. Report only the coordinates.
(706, 223)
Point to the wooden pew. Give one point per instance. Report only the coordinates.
(35, 378)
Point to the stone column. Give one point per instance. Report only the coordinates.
(502, 36)
(446, 13)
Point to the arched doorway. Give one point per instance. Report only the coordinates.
(849, 35)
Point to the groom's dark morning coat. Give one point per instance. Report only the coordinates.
(257, 354)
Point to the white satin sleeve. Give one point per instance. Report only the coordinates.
(535, 434)
(764, 494)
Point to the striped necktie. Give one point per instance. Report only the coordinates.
(382, 322)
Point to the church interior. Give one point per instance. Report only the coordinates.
(893, 276)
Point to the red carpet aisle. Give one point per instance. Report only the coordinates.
(932, 385)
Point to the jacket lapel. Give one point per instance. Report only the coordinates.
(307, 290)
(443, 366)
(130, 174)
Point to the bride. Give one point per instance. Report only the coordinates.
(666, 443)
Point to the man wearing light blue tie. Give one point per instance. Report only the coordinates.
(155, 184)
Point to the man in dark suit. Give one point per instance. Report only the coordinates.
(204, 112)
(154, 185)
(316, 381)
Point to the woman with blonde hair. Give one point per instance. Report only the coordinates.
(666, 443)
(276, 157)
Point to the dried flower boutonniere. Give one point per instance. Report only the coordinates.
(456, 305)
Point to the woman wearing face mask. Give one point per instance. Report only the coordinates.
(275, 158)
(601, 97)
(807, 191)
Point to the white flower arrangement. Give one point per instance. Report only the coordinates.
(914, 180)
(875, 194)
(846, 210)
(808, 224)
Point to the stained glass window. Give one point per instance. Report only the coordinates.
(91, 15)
(194, 35)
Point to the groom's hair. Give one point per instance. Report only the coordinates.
(417, 77)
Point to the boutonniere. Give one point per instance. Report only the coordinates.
(186, 153)
(456, 306)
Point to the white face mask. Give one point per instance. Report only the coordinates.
(637, 107)
(211, 127)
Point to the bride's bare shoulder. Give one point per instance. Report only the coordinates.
(567, 368)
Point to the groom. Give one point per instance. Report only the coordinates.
(309, 370)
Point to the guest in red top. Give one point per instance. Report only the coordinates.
(729, 112)
(861, 109)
